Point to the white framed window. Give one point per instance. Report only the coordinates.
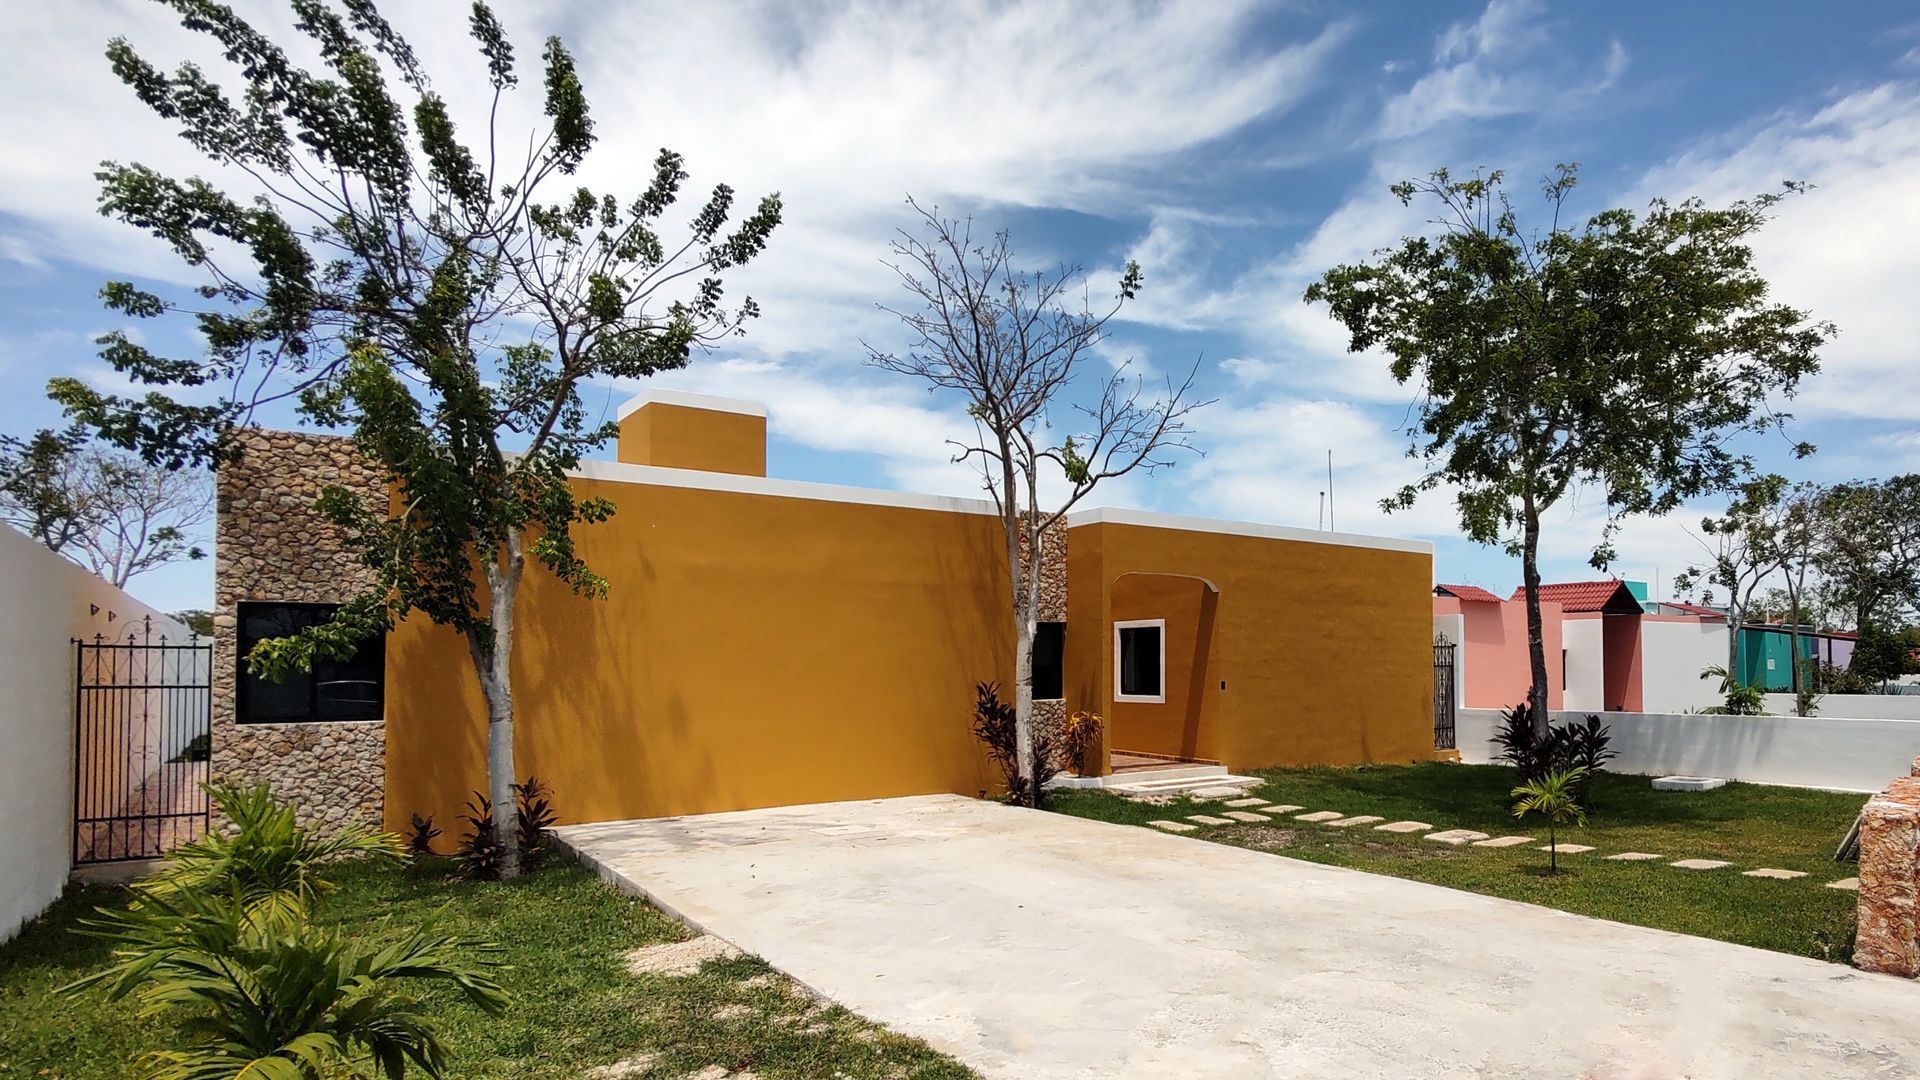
(1140, 661)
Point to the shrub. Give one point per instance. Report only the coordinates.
(1742, 700)
(420, 837)
(294, 1001)
(1083, 727)
(995, 723)
(198, 748)
(1584, 746)
(533, 806)
(480, 850)
(1553, 797)
(267, 860)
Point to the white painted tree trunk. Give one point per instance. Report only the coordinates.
(496, 683)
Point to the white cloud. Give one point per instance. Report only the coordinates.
(1843, 252)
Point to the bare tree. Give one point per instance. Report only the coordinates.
(110, 512)
(1743, 552)
(1011, 343)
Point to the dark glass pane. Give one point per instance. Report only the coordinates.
(1140, 661)
(1049, 648)
(349, 689)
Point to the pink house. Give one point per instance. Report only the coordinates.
(1604, 652)
(1490, 635)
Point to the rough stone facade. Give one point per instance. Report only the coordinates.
(1050, 716)
(270, 544)
(1888, 931)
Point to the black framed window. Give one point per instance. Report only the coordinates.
(1140, 666)
(1049, 661)
(335, 690)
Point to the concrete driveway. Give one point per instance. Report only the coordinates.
(1037, 945)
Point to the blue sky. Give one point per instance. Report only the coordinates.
(1235, 149)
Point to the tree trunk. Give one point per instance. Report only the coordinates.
(496, 683)
(1553, 848)
(1536, 641)
(1022, 626)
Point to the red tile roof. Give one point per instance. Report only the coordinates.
(1467, 592)
(1576, 596)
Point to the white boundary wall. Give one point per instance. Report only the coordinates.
(1839, 754)
(1854, 706)
(1672, 656)
(45, 601)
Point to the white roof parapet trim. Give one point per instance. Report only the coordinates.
(1106, 515)
(661, 476)
(664, 396)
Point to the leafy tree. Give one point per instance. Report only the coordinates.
(1624, 354)
(109, 511)
(35, 496)
(1878, 655)
(1870, 547)
(198, 620)
(420, 290)
(1012, 344)
(1742, 549)
(1555, 797)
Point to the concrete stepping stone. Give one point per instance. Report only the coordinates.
(1174, 826)
(1569, 849)
(1218, 792)
(1320, 815)
(1700, 864)
(1848, 884)
(1208, 819)
(1778, 875)
(1404, 827)
(1457, 836)
(1503, 841)
(1634, 856)
(1282, 808)
(1350, 822)
(1243, 815)
(1246, 802)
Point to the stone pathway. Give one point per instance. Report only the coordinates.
(1249, 810)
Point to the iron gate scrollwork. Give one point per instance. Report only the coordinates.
(142, 711)
(1443, 694)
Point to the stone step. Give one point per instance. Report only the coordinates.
(1221, 785)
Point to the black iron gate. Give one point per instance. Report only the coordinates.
(1443, 694)
(142, 708)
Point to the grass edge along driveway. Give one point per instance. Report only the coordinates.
(1751, 826)
(575, 1010)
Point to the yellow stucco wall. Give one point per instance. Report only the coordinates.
(754, 651)
(1325, 648)
(1187, 724)
(683, 437)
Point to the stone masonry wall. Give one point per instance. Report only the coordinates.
(270, 544)
(1888, 931)
(1050, 716)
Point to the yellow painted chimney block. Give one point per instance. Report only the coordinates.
(676, 430)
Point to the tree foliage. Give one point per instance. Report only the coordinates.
(1625, 353)
(1870, 549)
(442, 297)
(107, 510)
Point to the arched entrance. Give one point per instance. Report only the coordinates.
(1164, 701)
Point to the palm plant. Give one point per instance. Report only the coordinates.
(1742, 699)
(272, 864)
(1555, 797)
(273, 1000)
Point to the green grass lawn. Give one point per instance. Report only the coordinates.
(574, 1004)
(1749, 825)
